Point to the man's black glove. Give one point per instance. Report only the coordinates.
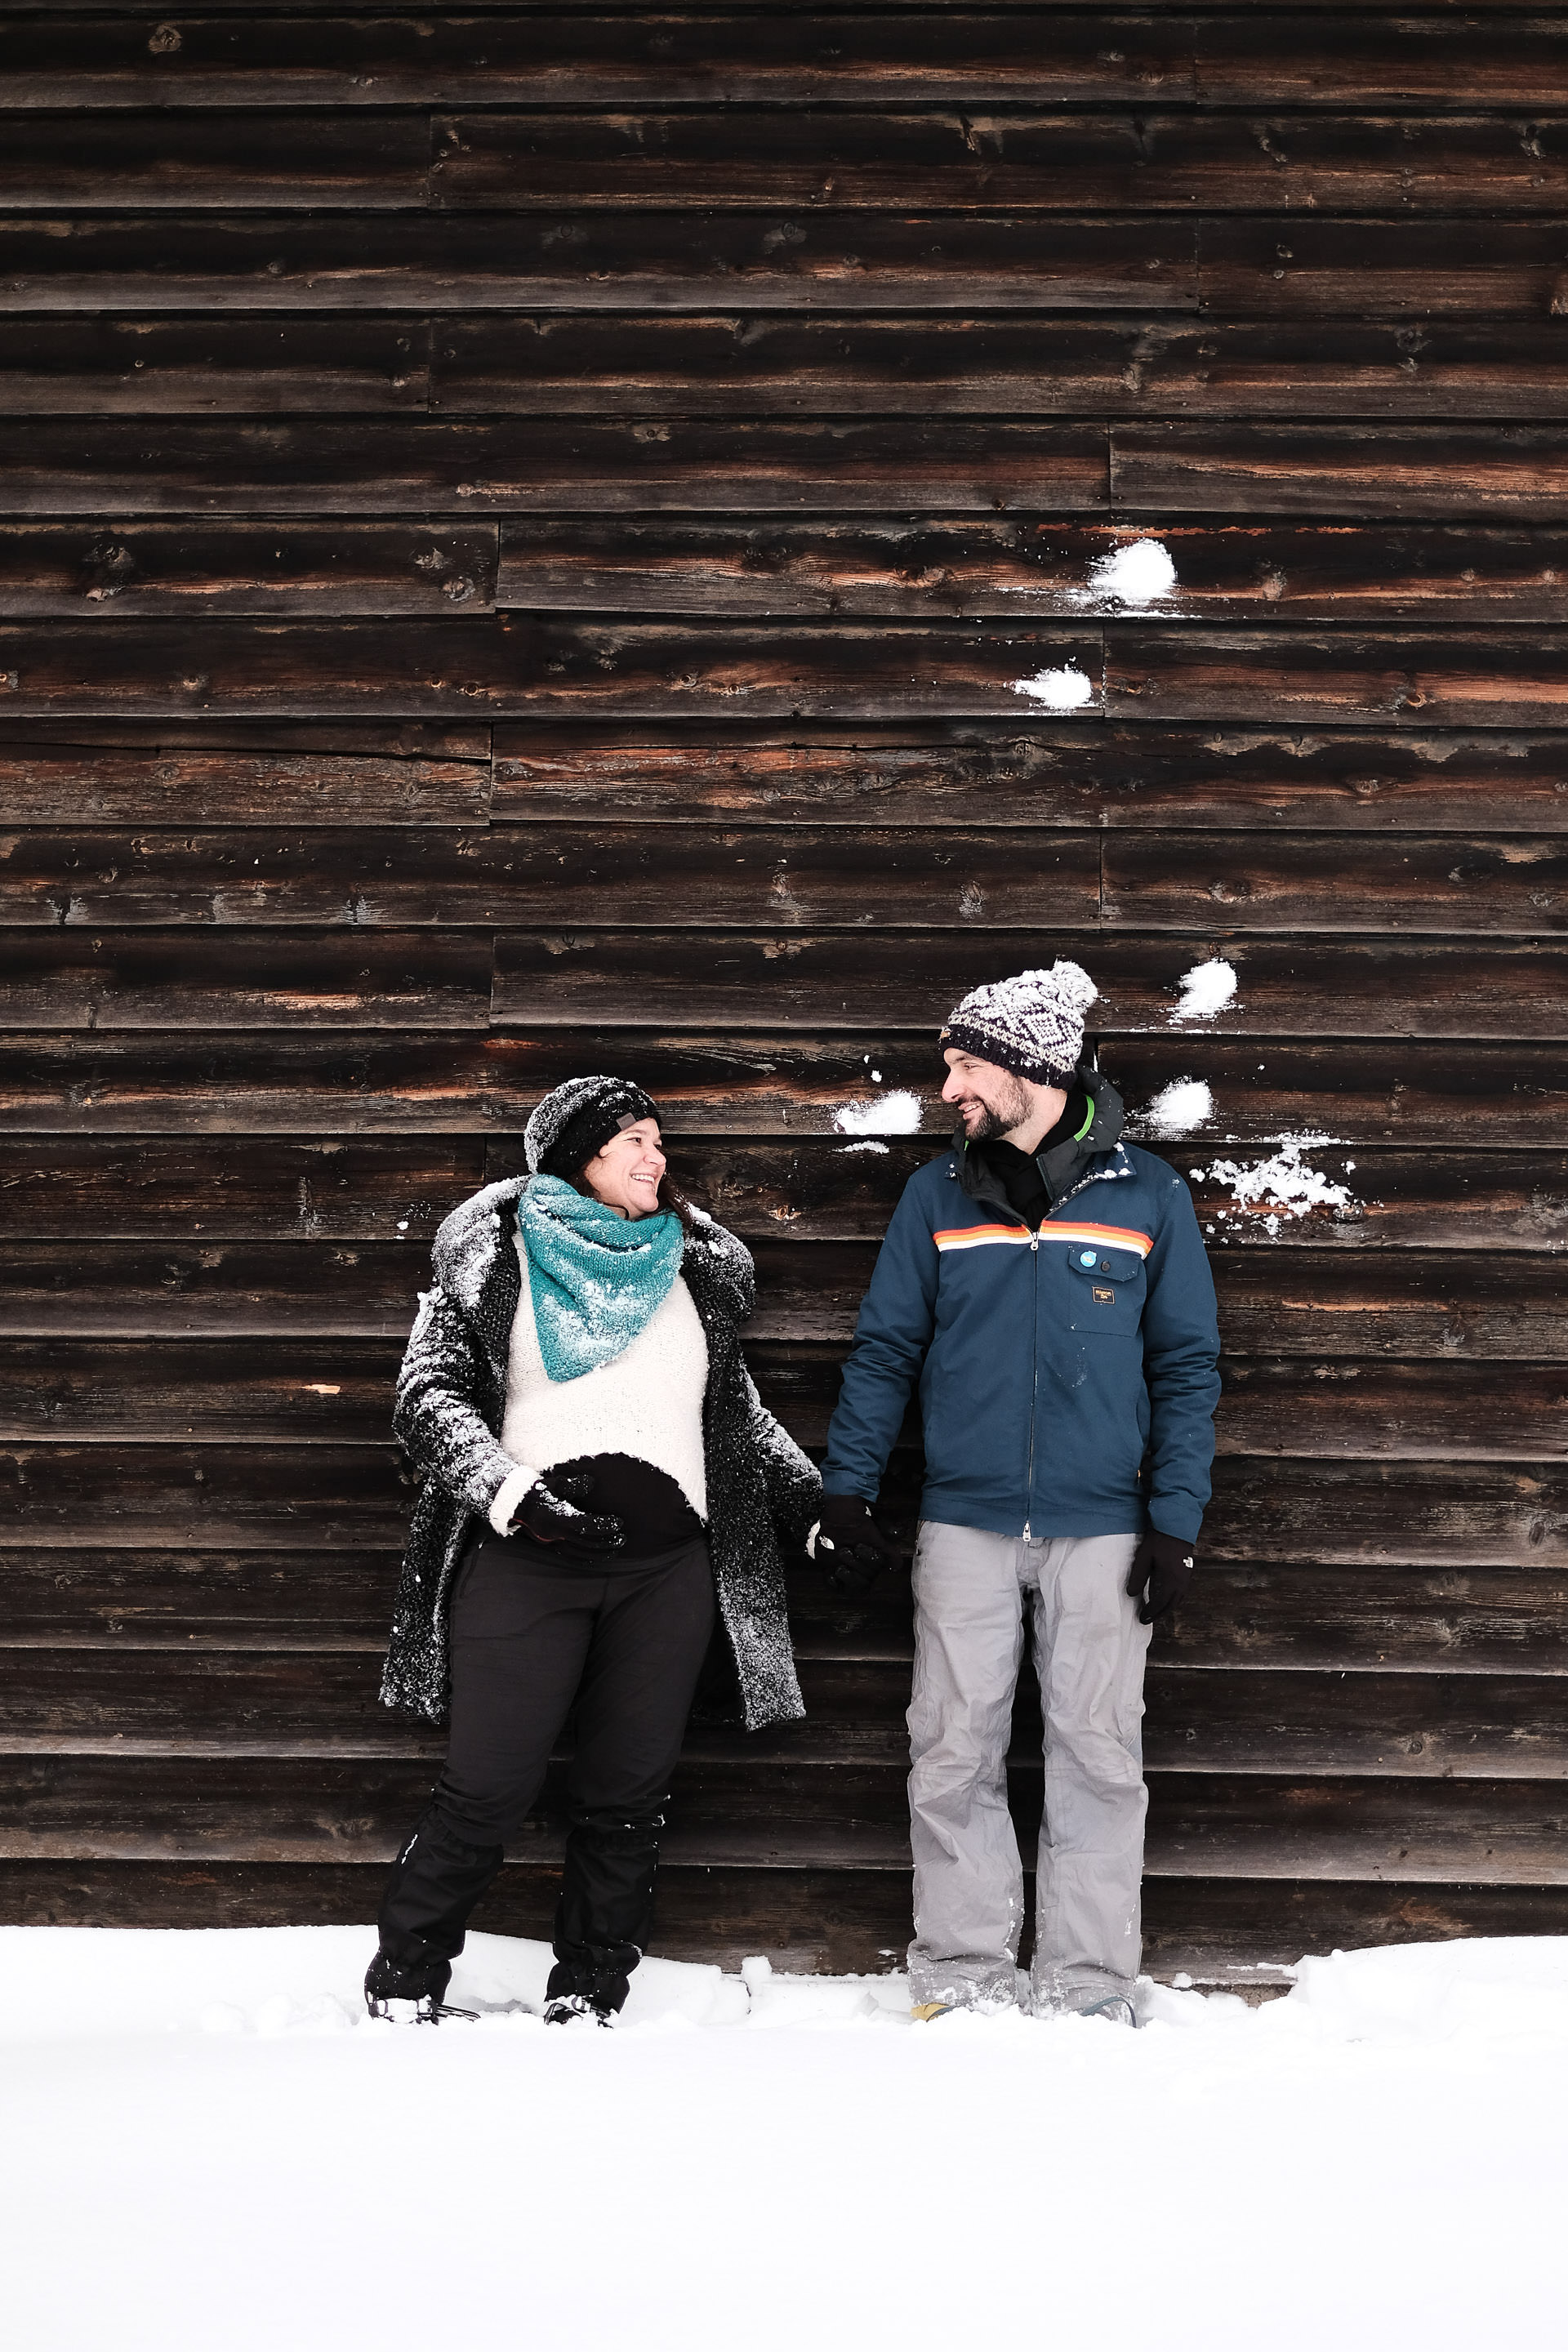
(849, 1544)
(547, 1512)
(1166, 1564)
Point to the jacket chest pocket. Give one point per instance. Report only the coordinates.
(1105, 1290)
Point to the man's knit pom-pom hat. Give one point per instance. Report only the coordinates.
(570, 1126)
(1031, 1024)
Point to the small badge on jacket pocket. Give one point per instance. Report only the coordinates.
(1103, 1297)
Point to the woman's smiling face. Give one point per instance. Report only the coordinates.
(627, 1173)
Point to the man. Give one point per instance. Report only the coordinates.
(1047, 1287)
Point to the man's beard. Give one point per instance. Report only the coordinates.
(1011, 1111)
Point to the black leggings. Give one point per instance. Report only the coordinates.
(531, 1635)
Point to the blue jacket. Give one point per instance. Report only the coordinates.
(1068, 1378)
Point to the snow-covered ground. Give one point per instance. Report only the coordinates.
(207, 2145)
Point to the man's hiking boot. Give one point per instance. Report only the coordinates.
(925, 2013)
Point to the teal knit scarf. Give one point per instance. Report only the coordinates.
(595, 1279)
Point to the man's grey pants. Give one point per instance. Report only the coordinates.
(1089, 1650)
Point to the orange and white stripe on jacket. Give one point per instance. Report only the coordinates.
(962, 1237)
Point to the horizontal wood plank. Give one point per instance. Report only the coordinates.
(1114, 775)
(1496, 887)
(1008, 365)
(1273, 1300)
(1341, 470)
(283, 1083)
(579, 58)
(1146, 162)
(920, 570)
(73, 571)
(608, 261)
(1395, 678)
(308, 1389)
(301, 775)
(103, 365)
(599, 873)
(315, 1497)
(822, 979)
(122, 466)
(140, 981)
(1306, 267)
(196, 1191)
(238, 161)
(590, 669)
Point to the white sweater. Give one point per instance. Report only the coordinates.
(645, 1402)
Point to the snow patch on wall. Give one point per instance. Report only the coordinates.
(894, 1114)
(1058, 689)
(1139, 573)
(1206, 990)
(1283, 1186)
(1178, 1110)
(863, 1147)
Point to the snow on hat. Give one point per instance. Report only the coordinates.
(1031, 1024)
(578, 1119)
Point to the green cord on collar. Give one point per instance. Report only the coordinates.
(1088, 1121)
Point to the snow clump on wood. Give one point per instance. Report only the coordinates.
(1139, 573)
(1283, 1186)
(1206, 990)
(1058, 689)
(1178, 1110)
(894, 1114)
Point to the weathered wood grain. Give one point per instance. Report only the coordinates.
(1008, 365)
(209, 775)
(916, 570)
(1045, 774)
(311, 1390)
(581, 58)
(1394, 679)
(122, 466)
(237, 1704)
(1439, 885)
(1273, 1300)
(606, 261)
(282, 1084)
(1306, 268)
(822, 979)
(103, 365)
(1509, 1834)
(200, 1191)
(128, 162)
(1379, 58)
(1080, 163)
(1341, 470)
(75, 572)
(602, 874)
(508, 664)
(140, 981)
(253, 1189)
(1477, 1621)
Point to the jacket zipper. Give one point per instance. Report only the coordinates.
(1035, 1383)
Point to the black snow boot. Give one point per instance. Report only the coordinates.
(416, 1996)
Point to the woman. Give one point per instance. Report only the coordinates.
(599, 1474)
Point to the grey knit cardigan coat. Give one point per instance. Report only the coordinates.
(451, 1395)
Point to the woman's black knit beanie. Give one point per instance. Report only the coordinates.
(578, 1119)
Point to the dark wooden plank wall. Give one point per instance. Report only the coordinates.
(519, 531)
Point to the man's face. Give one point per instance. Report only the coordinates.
(988, 1099)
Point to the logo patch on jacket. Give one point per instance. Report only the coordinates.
(1103, 1297)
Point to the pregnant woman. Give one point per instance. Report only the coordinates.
(599, 1475)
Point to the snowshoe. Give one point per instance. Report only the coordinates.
(576, 2009)
(410, 1996)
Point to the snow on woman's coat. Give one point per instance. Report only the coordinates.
(451, 1397)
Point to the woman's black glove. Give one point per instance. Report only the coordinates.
(849, 1544)
(1166, 1564)
(549, 1512)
